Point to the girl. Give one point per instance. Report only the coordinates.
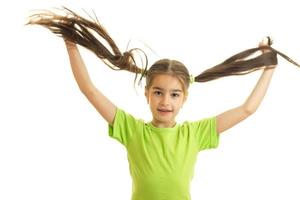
(161, 153)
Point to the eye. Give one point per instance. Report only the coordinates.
(157, 93)
(175, 95)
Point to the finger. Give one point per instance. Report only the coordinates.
(270, 40)
(267, 41)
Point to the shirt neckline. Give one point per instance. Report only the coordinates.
(157, 129)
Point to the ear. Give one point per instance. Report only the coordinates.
(147, 95)
(184, 99)
(186, 96)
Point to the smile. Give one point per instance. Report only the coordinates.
(164, 110)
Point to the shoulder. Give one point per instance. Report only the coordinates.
(127, 117)
(199, 122)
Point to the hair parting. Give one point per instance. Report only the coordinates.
(77, 29)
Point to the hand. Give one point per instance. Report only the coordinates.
(267, 41)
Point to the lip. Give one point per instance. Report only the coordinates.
(164, 111)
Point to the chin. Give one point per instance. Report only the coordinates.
(164, 119)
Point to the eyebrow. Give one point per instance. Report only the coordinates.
(158, 88)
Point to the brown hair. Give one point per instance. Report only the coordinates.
(72, 27)
(170, 67)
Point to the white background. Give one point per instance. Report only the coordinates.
(54, 144)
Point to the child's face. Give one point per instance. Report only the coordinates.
(165, 97)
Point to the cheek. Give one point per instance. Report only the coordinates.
(180, 103)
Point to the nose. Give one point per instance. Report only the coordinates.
(165, 100)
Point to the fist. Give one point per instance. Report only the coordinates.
(266, 41)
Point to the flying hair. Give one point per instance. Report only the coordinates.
(79, 30)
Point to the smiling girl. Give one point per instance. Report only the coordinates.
(161, 153)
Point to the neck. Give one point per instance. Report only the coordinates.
(158, 124)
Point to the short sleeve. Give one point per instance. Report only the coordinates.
(124, 126)
(205, 131)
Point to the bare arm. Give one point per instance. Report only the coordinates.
(258, 93)
(102, 104)
(232, 117)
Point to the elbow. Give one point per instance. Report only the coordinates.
(87, 90)
(249, 111)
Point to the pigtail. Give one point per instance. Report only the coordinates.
(73, 27)
(240, 65)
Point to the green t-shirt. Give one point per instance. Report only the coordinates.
(162, 160)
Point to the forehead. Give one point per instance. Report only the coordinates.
(166, 82)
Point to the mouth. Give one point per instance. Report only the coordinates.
(161, 110)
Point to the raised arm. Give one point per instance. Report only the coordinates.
(258, 93)
(102, 104)
(232, 117)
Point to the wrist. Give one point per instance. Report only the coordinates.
(270, 67)
(70, 45)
